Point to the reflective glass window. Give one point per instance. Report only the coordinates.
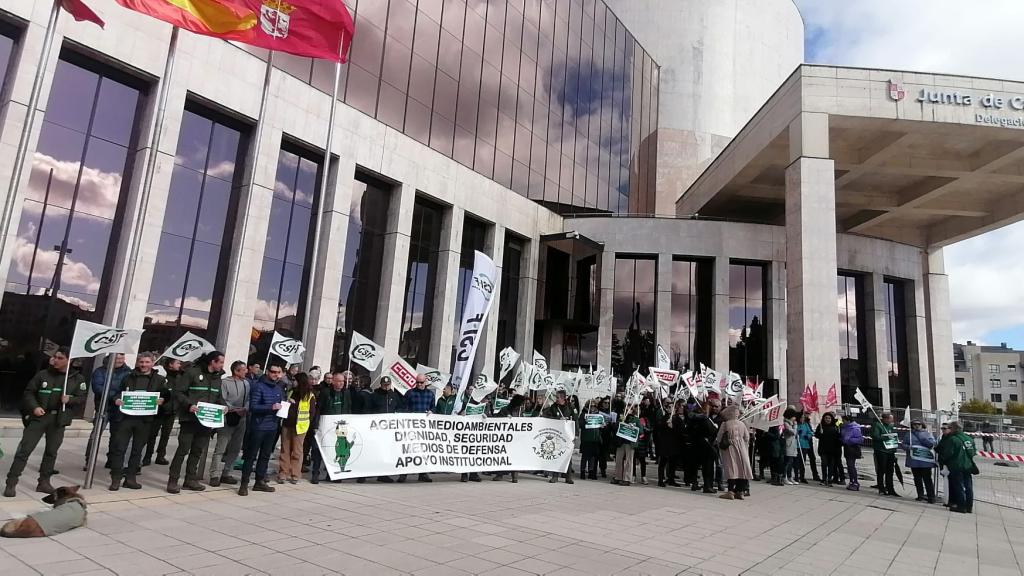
(634, 301)
(748, 337)
(421, 280)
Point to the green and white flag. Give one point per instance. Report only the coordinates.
(482, 387)
(366, 352)
(188, 348)
(139, 403)
(475, 409)
(210, 415)
(500, 403)
(91, 339)
(507, 358)
(290, 349)
(436, 380)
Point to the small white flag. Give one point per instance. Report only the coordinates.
(539, 361)
(188, 348)
(663, 360)
(290, 349)
(906, 417)
(482, 386)
(519, 384)
(860, 398)
(735, 386)
(436, 380)
(508, 358)
(92, 339)
(365, 352)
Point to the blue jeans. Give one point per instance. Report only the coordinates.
(961, 489)
(259, 445)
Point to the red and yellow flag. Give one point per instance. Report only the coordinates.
(315, 28)
(80, 12)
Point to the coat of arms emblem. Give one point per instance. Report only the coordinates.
(275, 15)
(896, 92)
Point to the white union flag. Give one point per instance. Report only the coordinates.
(92, 339)
(365, 352)
(188, 348)
(290, 349)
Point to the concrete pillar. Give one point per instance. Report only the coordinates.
(395, 269)
(775, 304)
(877, 341)
(446, 294)
(940, 331)
(604, 329)
(528, 289)
(494, 246)
(811, 265)
(919, 375)
(663, 303)
(720, 314)
(330, 262)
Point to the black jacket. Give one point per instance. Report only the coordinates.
(830, 440)
(44, 391)
(385, 402)
(139, 382)
(197, 385)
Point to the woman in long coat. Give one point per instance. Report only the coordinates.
(735, 462)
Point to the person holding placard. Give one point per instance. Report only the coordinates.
(921, 460)
(199, 386)
(884, 443)
(138, 402)
(47, 406)
(235, 390)
(561, 410)
(592, 425)
(162, 424)
(626, 437)
(265, 399)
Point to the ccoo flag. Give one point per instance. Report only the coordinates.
(188, 348)
(94, 339)
(290, 349)
(314, 28)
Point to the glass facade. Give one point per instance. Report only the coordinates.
(635, 298)
(894, 301)
(8, 37)
(71, 218)
(748, 342)
(853, 366)
(417, 315)
(195, 242)
(555, 100)
(508, 297)
(282, 291)
(690, 343)
(362, 268)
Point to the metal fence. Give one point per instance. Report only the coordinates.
(1001, 480)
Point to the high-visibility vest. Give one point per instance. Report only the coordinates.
(302, 422)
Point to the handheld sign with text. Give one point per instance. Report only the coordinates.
(593, 421)
(500, 403)
(475, 409)
(630, 432)
(210, 415)
(139, 403)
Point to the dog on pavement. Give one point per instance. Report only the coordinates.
(68, 513)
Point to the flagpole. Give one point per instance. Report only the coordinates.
(319, 204)
(26, 131)
(97, 424)
(236, 268)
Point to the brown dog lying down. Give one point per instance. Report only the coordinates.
(68, 513)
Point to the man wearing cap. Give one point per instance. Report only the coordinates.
(384, 400)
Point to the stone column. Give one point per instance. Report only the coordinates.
(604, 330)
(940, 331)
(775, 304)
(446, 294)
(811, 265)
(527, 319)
(720, 314)
(919, 376)
(663, 303)
(395, 269)
(330, 262)
(495, 248)
(877, 341)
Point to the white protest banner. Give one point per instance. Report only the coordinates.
(663, 361)
(139, 403)
(712, 382)
(288, 349)
(693, 385)
(358, 445)
(760, 406)
(210, 415)
(188, 348)
(507, 358)
(436, 380)
(365, 352)
(403, 377)
(477, 307)
(283, 411)
(539, 361)
(534, 377)
(91, 339)
(482, 386)
(735, 386)
(665, 376)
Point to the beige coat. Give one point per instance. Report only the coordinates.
(735, 459)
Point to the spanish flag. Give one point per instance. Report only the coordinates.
(80, 12)
(314, 28)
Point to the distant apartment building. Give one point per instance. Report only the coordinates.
(991, 373)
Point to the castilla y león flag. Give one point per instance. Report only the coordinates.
(80, 12)
(315, 28)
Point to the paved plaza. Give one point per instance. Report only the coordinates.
(500, 528)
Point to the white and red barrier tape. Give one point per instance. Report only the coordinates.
(997, 435)
(1001, 456)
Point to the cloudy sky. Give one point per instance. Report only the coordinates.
(976, 38)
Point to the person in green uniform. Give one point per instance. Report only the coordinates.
(884, 442)
(446, 403)
(562, 410)
(163, 422)
(46, 409)
(956, 452)
(134, 430)
(200, 384)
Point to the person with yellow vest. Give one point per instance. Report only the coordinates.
(301, 413)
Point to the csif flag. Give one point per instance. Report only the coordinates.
(477, 307)
(540, 361)
(290, 349)
(507, 358)
(188, 348)
(436, 380)
(92, 339)
(314, 28)
(80, 12)
(365, 352)
(482, 387)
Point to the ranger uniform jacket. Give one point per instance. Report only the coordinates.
(196, 385)
(45, 389)
(139, 382)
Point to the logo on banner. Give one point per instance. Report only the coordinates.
(896, 92)
(484, 284)
(287, 348)
(363, 352)
(102, 340)
(187, 347)
(550, 444)
(405, 375)
(275, 15)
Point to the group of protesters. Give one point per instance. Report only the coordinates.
(710, 445)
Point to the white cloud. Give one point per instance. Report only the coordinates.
(98, 191)
(74, 275)
(948, 36)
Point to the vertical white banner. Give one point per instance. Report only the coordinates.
(478, 305)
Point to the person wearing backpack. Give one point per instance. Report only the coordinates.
(732, 441)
